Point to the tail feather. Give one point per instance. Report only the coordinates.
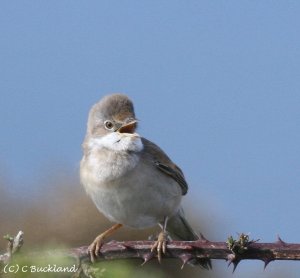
(179, 229)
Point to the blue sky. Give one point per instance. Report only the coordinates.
(215, 84)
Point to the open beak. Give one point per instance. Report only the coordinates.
(128, 127)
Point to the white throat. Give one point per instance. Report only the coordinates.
(110, 157)
(118, 142)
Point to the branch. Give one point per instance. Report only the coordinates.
(233, 250)
(13, 246)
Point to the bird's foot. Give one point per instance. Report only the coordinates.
(94, 248)
(160, 245)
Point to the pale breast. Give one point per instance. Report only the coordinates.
(98, 169)
(126, 187)
(108, 158)
(139, 198)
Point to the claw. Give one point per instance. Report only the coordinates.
(164, 247)
(160, 245)
(94, 248)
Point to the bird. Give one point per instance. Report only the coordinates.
(131, 180)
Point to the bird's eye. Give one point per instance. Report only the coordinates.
(108, 125)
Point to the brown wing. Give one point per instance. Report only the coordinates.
(164, 164)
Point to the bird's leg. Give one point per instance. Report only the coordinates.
(94, 248)
(161, 244)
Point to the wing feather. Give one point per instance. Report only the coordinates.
(163, 163)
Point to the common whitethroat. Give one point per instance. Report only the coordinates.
(130, 179)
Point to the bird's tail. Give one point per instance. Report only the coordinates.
(179, 229)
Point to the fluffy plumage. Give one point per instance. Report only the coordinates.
(130, 179)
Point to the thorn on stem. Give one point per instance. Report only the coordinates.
(230, 259)
(235, 264)
(185, 258)
(266, 262)
(147, 257)
(127, 246)
(280, 241)
(202, 238)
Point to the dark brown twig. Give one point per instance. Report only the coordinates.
(233, 251)
(189, 250)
